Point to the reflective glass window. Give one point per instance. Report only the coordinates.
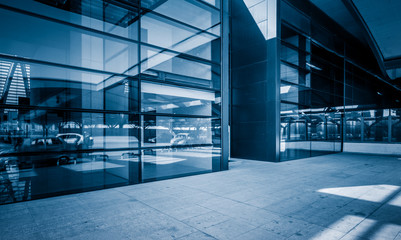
(175, 131)
(192, 13)
(162, 98)
(157, 62)
(166, 33)
(58, 43)
(112, 18)
(164, 163)
(28, 84)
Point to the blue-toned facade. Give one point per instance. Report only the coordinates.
(97, 93)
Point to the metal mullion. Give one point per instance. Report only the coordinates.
(139, 91)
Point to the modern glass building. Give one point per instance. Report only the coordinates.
(103, 93)
(306, 80)
(96, 94)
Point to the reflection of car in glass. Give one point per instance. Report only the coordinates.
(181, 139)
(44, 151)
(152, 140)
(76, 139)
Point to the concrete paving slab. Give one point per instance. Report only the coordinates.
(340, 196)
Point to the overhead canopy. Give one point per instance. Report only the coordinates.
(377, 22)
(383, 21)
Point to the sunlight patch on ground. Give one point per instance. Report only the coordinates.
(396, 201)
(346, 223)
(372, 193)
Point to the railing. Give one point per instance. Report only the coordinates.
(382, 125)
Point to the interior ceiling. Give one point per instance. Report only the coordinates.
(374, 21)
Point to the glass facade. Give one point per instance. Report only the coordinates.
(380, 126)
(311, 88)
(299, 75)
(101, 93)
(96, 94)
(331, 91)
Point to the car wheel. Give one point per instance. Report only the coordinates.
(62, 160)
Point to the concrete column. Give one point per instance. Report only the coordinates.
(273, 81)
(225, 71)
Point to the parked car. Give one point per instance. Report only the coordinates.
(181, 139)
(41, 152)
(80, 141)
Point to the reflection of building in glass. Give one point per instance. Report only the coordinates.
(14, 82)
(104, 93)
(311, 76)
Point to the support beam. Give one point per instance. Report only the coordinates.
(368, 35)
(273, 81)
(225, 70)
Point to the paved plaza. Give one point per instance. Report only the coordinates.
(339, 196)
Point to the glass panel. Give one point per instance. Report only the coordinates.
(376, 125)
(294, 133)
(354, 126)
(215, 3)
(396, 125)
(293, 138)
(25, 130)
(39, 175)
(164, 163)
(48, 86)
(159, 63)
(191, 12)
(120, 20)
(289, 74)
(172, 35)
(161, 98)
(289, 36)
(58, 43)
(309, 132)
(49, 152)
(289, 55)
(66, 126)
(324, 131)
(170, 131)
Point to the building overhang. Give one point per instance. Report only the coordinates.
(376, 23)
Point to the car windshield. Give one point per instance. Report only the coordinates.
(70, 138)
